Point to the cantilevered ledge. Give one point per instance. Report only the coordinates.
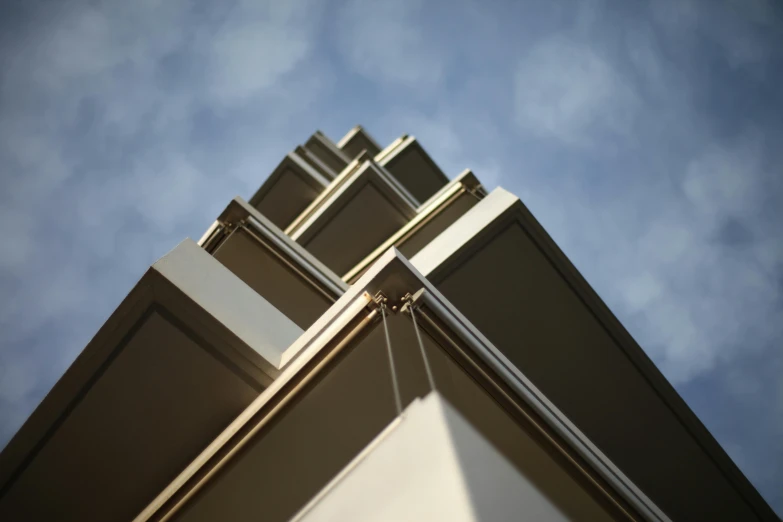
(327, 151)
(185, 352)
(498, 266)
(334, 396)
(272, 264)
(288, 190)
(407, 161)
(432, 464)
(357, 140)
(432, 218)
(356, 213)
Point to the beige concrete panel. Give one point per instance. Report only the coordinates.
(525, 307)
(213, 287)
(487, 417)
(240, 215)
(414, 169)
(424, 235)
(272, 279)
(361, 224)
(287, 198)
(315, 162)
(162, 398)
(307, 444)
(454, 238)
(357, 140)
(327, 151)
(433, 465)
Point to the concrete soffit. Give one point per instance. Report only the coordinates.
(344, 176)
(230, 302)
(496, 213)
(466, 182)
(348, 136)
(367, 173)
(412, 471)
(315, 162)
(240, 214)
(431, 463)
(467, 179)
(432, 176)
(329, 152)
(394, 280)
(293, 163)
(444, 251)
(389, 149)
(353, 132)
(408, 144)
(323, 138)
(188, 318)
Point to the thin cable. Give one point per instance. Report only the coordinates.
(430, 378)
(397, 399)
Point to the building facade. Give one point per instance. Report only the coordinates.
(367, 339)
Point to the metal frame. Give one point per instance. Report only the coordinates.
(318, 353)
(330, 189)
(240, 214)
(466, 182)
(468, 179)
(345, 323)
(389, 148)
(314, 161)
(509, 386)
(300, 167)
(368, 173)
(402, 146)
(329, 145)
(501, 209)
(353, 132)
(223, 317)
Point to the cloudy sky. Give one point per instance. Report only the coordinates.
(646, 137)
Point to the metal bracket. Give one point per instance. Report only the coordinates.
(407, 303)
(230, 226)
(477, 191)
(380, 300)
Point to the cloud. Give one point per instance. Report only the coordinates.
(386, 42)
(256, 45)
(737, 28)
(724, 181)
(567, 91)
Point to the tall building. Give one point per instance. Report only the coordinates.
(365, 339)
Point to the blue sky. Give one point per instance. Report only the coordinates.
(644, 136)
